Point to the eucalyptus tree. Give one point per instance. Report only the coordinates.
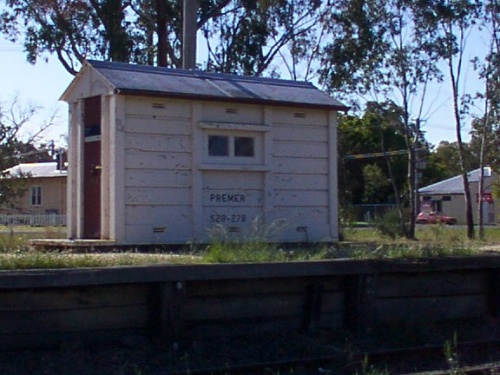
(443, 26)
(374, 52)
(486, 129)
(143, 31)
(70, 29)
(251, 35)
(242, 36)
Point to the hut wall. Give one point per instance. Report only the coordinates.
(177, 190)
(158, 167)
(300, 179)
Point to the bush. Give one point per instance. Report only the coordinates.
(389, 224)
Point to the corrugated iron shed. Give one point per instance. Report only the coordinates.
(195, 84)
(453, 185)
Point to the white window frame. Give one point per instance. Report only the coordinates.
(231, 158)
(231, 139)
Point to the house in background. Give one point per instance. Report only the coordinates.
(448, 197)
(161, 155)
(45, 188)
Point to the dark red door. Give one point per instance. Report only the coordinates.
(92, 169)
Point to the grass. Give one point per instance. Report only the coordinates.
(37, 260)
(360, 243)
(432, 241)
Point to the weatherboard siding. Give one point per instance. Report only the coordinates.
(232, 188)
(301, 164)
(158, 164)
(162, 172)
(176, 192)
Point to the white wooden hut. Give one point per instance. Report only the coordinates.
(168, 156)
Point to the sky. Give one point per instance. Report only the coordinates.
(40, 85)
(43, 84)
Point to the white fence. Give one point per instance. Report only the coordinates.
(40, 220)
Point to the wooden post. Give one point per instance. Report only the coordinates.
(494, 293)
(360, 303)
(312, 308)
(171, 323)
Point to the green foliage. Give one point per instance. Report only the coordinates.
(23, 257)
(247, 39)
(496, 190)
(376, 131)
(444, 162)
(364, 243)
(11, 189)
(255, 247)
(375, 182)
(242, 36)
(390, 224)
(412, 251)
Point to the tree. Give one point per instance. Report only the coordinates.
(252, 34)
(444, 26)
(374, 51)
(16, 147)
(72, 30)
(447, 156)
(375, 181)
(485, 134)
(359, 139)
(243, 36)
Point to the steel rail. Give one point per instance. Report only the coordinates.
(352, 362)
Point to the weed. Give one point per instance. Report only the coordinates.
(451, 353)
(411, 251)
(255, 246)
(367, 369)
(35, 260)
(389, 224)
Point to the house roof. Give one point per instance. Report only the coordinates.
(37, 170)
(196, 84)
(454, 185)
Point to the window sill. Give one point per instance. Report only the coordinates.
(234, 167)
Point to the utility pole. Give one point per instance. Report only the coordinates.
(189, 29)
(417, 165)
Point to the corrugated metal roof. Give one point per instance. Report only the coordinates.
(151, 80)
(454, 185)
(37, 170)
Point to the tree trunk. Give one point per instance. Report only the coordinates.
(469, 218)
(111, 15)
(394, 185)
(161, 30)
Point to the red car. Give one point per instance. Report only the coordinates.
(434, 217)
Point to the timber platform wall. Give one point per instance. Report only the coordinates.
(179, 304)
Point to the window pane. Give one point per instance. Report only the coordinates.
(244, 146)
(36, 195)
(218, 145)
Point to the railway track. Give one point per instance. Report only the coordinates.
(428, 360)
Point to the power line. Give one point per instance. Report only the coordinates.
(378, 154)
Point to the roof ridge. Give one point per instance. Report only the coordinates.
(195, 73)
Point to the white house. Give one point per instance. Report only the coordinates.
(45, 188)
(161, 155)
(447, 196)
